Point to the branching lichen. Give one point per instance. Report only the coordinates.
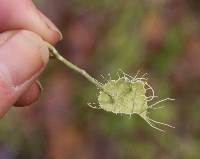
(126, 95)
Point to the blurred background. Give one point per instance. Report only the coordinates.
(158, 37)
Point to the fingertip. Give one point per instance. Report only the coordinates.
(22, 56)
(55, 35)
(20, 14)
(30, 96)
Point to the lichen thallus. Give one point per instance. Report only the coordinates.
(126, 95)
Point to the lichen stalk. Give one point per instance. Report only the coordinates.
(58, 56)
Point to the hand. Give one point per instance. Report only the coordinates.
(23, 52)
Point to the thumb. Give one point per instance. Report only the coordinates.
(23, 56)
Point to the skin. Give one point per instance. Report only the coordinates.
(23, 52)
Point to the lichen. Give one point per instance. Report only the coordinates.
(126, 95)
(129, 95)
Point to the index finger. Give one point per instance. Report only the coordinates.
(22, 14)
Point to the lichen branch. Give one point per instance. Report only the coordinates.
(56, 54)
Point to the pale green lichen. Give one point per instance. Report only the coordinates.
(126, 95)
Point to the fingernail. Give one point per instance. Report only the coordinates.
(51, 25)
(22, 56)
(39, 85)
